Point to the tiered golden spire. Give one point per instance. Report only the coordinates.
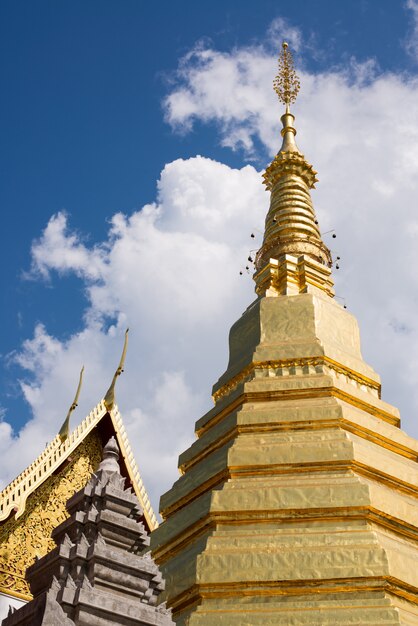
(291, 226)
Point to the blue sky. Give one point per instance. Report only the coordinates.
(93, 112)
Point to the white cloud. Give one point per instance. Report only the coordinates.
(281, 30)
(411, 42)
(170, 270)
(171, 273)
(235, 90)
(228, 88)
(64, 252)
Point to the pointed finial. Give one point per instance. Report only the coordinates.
(65, 428)
(286, 84)
(110, 457)
(109, 398)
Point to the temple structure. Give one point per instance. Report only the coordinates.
(297, 504)
(100, 571)
(34, 504)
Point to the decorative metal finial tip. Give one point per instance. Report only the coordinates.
(109, 398)
(286, 84)
(65, 428)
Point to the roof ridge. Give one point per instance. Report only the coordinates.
(13, 497)
(131, 466)
(15, 494)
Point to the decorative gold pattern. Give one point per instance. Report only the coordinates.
(296, 165)
(279, 588)
(289, 275)
(291, 228)
(322, 392)
(351, 427)
(330, 515)
(29, 536)
(302, 365)
(294, 469)
(286, 84)
(14, 496)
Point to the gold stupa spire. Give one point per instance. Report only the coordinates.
(65, 428)
(109, 398)
(292, 240)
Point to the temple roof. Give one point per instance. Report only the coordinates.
(33, 504)
(13, 497)
(100, 570)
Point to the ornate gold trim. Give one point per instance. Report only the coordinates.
(287, 164)
(24, 539)
(193, 595)
(278, 469)
(38, 496)
(286, 84)
(13, 497)
(323, 361)
(318, 424)
(207, 485)
(295, 394)
(15, 594)
(291, 516)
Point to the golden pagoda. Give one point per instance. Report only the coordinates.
(34, 504)
(298, 502)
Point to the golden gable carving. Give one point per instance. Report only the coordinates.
(29, 536)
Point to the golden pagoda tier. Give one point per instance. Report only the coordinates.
(298, 502)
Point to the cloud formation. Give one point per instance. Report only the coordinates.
(58, 249)
(411, 42)
(367, 161)
(170, 270)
